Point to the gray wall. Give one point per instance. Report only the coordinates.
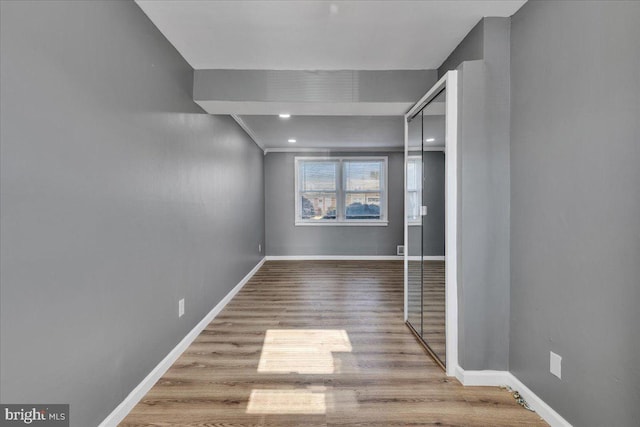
(312, 86)
(470, 48)
(483, 192)
(284, 238)
(575, 207)
(118, 197)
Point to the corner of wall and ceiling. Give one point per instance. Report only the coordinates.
(248, 131)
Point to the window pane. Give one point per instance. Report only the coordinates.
(362, 206)
(318, 206)
(317, 176)
(362, 175)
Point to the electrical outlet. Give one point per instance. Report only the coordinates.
(181, 308)
(555, 364)
(260, 247)
(400, 249)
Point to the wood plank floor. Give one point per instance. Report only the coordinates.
(318, 343)
(427, 304)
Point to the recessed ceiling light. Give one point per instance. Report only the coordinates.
(284, 115)
(292, 141)
(429, 140)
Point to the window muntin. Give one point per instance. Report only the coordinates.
(341, 190)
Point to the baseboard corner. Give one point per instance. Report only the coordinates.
(482, 378)
(540, 406)
(506, 378)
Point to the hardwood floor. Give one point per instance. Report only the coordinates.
(427, 304)
(433, 318)
(318, 343)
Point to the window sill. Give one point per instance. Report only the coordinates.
(343, 224)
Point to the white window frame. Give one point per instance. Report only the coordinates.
(341, 193)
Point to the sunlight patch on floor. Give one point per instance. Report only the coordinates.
(286, 402)
(302, 351)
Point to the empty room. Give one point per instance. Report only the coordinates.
(319, 213)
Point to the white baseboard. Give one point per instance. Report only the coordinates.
(467, 378)
(426, 258)
(121, 411)
(506, 378)
(334, 257)
(539, 405)
(482, 378)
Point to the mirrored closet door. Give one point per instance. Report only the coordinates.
(425, 221)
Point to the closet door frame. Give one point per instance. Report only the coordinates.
(449, 82)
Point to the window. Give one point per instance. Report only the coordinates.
(414, 189)
(341, 190)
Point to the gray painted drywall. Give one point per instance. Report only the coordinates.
(118, 197)
(285, 238)
(483, 191)
(311, 86)
(575, 207)
(470, 48)
(311, 93)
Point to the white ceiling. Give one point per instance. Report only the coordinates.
(343, 132)
(319, 35)
(326, 132)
